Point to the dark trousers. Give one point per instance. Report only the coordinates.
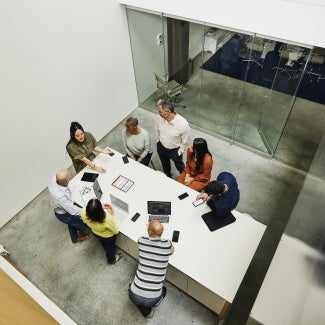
(109, 247)
(144, 304)
(166, 155)
(74, 223)
(145, 160)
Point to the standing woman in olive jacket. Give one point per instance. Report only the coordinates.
(81, 147)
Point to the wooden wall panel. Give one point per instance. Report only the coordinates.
(17, 307)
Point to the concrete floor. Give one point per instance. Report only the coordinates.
(78, 280)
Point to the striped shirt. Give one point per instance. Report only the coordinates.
(153, 261)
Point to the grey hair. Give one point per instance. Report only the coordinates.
(166, 104)
(133, 120)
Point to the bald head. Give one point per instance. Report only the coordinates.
(63, 177)
(155, 228)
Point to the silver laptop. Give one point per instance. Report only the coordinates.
(90, 192)
(122, 210)
(159, 210)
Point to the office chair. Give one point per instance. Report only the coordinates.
(172, 89)
(293, 53)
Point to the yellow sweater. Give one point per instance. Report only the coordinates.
(106, 229)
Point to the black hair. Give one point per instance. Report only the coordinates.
(95, 211)
(214, 187)
(200, 148)
(74, 127)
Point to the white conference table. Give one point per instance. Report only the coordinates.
(207, 265)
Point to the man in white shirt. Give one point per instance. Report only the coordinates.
(64, 207)
(172, 133)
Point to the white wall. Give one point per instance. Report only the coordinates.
(299, 21)
(60, 61)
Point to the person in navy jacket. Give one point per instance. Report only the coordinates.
(221, 195)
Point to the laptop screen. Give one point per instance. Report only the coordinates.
(159, 207)
(98, 191)
(119, 203)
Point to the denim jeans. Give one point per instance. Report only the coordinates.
(74, 223)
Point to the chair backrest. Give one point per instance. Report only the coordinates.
(171, 89)
(160, 80)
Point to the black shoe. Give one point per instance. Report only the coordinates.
(150, 315)
(163, 295)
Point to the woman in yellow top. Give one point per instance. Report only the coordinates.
(103, 225)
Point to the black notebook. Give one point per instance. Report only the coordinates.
(215, 223)
(89, 177)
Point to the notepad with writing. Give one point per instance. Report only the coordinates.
(123, 183)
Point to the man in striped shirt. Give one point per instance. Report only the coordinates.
(147, 290)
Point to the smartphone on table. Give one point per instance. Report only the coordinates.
(175, 236)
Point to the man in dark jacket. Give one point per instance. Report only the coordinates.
(221, 195)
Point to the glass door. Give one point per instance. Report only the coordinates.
(253, 94)
(288, 64)
(147, 37)
(221, 81)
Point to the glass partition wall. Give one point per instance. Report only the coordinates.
(221, 92)
(289, 69)
(148, 51)
(240, 87)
